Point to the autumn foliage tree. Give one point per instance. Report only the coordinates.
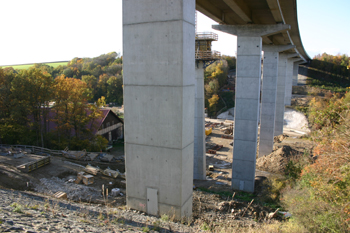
(320, 199)
(26, 112)
(72, 111)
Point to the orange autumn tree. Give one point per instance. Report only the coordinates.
(72, 111)
(320, 200)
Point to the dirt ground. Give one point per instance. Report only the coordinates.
(212, 198)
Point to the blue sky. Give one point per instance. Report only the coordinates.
(56, 30)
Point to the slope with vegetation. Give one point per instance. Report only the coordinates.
(216, 88)
(316, 190)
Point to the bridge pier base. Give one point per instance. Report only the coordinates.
(159, 92)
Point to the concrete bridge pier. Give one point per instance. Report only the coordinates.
(248, 79)
(268, 96)
(296, 71)
(199, 163)
(289, 78)
(281, 89)
(159, 92)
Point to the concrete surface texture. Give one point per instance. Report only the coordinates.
(295, 72)
(247, 98)
(281, 81)
(268, 96)
(289, 78)
(159, 93)
(199, 162)
(246, 112)
(268, 102)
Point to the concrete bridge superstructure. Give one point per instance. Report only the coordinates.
(159, 91)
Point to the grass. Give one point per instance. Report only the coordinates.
(165, 217)
(334, 87)
(221, 193)
(26, 66)
(18, 208)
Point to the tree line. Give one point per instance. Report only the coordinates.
(70, 96)
(28, 97)
(102, 75)
(338, 65)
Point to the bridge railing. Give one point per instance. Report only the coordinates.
(206, 36)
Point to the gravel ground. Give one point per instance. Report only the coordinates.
(27, 212)
(74, 191)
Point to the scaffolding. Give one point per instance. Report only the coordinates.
(203, 50)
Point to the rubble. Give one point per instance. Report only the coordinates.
(75, 192)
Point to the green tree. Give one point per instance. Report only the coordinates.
(115, 90)
(91, 82)
(32, 91)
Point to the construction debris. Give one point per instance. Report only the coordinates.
(60, 195)
(208, 131)
(79, 177)
(31, 166)
(215, 148)
(111, 173)
(92, 170)
(91, 156)
(78, 155)
(105, 157)
(211, 167)
(115, 192)
(211, 151)
(88, 179)
(227, 136)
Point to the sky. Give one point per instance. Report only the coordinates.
(35, 31)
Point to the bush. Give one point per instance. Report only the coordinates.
(319, 200)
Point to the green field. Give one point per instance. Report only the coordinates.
(26, 66)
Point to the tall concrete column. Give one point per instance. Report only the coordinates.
(268, 96)
(281, 89)
(289, 78)
(248, 78)
(199, 168)
(296, 71)
(159, 89)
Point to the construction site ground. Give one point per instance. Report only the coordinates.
(212, 198)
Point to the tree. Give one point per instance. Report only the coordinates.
(6, 98)
(32, 92)
(212, 103)
(115, 90)
(91, 82)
